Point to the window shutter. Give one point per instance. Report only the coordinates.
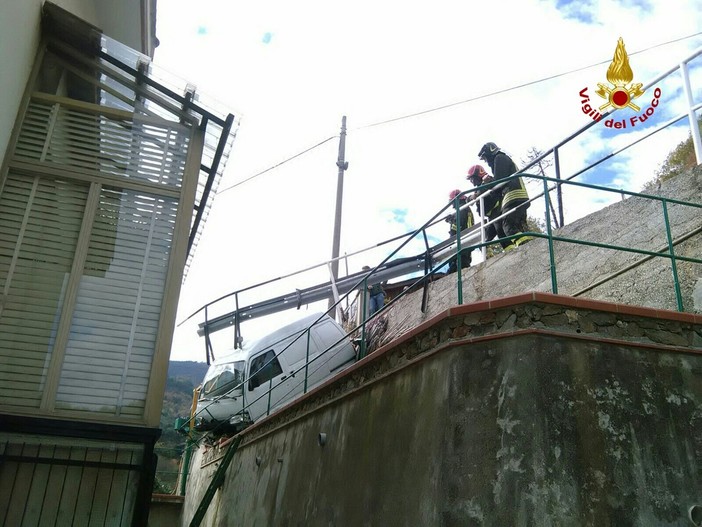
(108, 338)
(115, 321)
(39, 225)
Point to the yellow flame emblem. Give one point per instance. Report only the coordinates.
(619, 74)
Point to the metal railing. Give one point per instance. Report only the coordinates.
(463, 245)
(438, 256)
(692, 107)
(551, 237)
(298, 297)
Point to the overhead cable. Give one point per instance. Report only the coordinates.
(450, 105)
(516, 87)
(276, 166)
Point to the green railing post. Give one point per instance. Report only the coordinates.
(186, 465)
(671, 250)
(307, 357)
(456, 205)
(270, 390)
(215, 483)
(362, 351)
(549, 232)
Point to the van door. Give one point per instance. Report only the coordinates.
(326, 334)
(269, 383)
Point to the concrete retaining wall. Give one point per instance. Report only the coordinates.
(634, 223)
(533, 410)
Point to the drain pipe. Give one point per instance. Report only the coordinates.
(189, 443)
(186, 466)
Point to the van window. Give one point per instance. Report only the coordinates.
(327, 334)
(264, 368)
(223, 378)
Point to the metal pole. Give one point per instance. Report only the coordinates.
(559, 191)
(307, 358)
(483, 249)
(343, 165)
(185, 466)
(364, 306)
(456, 205)
(694, 127)
(548, 197)
(671, 251)
(549, 231)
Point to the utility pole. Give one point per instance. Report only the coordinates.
(343, 165)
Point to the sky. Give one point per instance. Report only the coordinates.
(423, 86)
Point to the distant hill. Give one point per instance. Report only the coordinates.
(190, 370)
(183, 377)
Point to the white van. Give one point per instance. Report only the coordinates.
(240, 387)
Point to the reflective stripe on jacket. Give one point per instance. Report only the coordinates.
(466, 219)
(515, 196)
(514, 192)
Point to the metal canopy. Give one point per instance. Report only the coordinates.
(400, 267)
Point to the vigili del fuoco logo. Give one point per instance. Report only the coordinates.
(619, 93)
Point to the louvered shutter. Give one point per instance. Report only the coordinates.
(83, 278)
(116, 316)
(40, 221)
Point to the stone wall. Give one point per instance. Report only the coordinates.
(532, 410)
(634, 223)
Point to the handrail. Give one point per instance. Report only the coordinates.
(694, 129)
(461, 245)
(669, 254)
(557, 186)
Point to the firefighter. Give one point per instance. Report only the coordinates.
(514, 193)
(478, 176)
(465, 221)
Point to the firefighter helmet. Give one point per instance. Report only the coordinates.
(488, 151)
(476, 174)
(454, 193)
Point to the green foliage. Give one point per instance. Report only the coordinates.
(177, 402)
(681, 159)
(536, 225)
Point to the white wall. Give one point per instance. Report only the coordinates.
(19, 39)
(122, 21)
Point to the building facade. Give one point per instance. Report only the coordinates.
(105, 184)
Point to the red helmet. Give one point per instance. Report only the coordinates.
(476, 174)
(455, 193)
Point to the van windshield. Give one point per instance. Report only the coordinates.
(222, 378)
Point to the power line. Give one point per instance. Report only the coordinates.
(276, 166)
(512, 88)
(450, 105)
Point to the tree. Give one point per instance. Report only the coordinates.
(177, 403)
(532, 154)
(681, 159)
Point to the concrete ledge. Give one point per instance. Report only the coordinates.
(528, 313)
(167, 498)
(527, 410)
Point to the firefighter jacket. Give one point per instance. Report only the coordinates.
(514, 192)
(465, 217)
(491, 201)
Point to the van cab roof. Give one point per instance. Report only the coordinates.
(270, 339)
